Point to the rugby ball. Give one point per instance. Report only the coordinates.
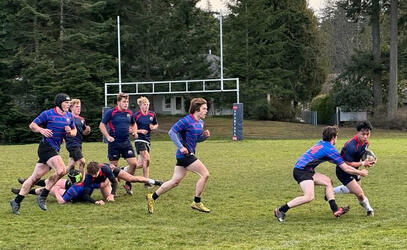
(369, 155)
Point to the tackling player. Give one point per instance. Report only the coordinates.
(306, 177)
(185, 134)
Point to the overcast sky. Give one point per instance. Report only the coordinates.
(219, 4)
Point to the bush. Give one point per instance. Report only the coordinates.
(325, 107)
(398, 122)
(276, 111)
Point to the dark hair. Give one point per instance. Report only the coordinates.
(364, 125)
(329, 133)
(92, 168)
(196, 104)
(122, 96)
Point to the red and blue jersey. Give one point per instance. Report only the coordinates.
(55, 122)
(319, 153)
(118, 123)
(143, 122)
(74, 141)
(91, 182)
(190, 132)
(354, 149)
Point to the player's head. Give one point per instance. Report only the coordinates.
(75, 106)
(74, 175)
(93, 168)
(330, 133)
(62, 101)
(198, 105)
(143, 103)
(122, 101)
(363, 128)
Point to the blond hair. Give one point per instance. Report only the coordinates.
(75, 102)
(143, 99)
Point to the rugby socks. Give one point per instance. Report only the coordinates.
(40, 183)
(197, 199)
(341, 189)
(44, 192)
(155, 196)
(365, 204)
(284, 208)
(151, 181)
(128, 183)
(32, 191)
(19, 198)
(333, 205)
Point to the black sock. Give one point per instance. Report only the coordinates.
(284, 208)
(128, 183)
(197, 199)
(155, 196)
(19, 198)
(40, 183)
(32, 191)
(44, 192)
(333, 205)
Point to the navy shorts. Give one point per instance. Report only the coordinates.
(344, 177)
(75, 153)
(141, 146)
(116, 149)
(45, 152)
(186, 160)
(301, 175)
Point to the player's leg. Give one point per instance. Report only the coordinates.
(71, 164)
(357, 190)
(81, 163)
(123, 175)
(58, 190)
(105, 188)
(199, 168)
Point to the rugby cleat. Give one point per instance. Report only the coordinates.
(42, 202)
(21, 180)
(127, 187)
(158, 183)
(200, 207)
(370, 213)
(15, 190)
(341, 211)
(150, 203)
(148, 185)
(279, 215)
(15, 207)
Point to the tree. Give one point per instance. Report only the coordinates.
(392, 100)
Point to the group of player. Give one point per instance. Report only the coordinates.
(63, 122)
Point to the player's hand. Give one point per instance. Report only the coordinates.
(363, 172)
(110, 139)
(142, 131)
(183, 150)
(46, 132)
(100, 202)
(152, 126)
(87, 130)
(206, 133)
(110, 197)
(368, 163)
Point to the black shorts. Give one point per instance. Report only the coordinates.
(116, 149)
(141, 146)
(344, 177)
(75, 152)
(301, 175)
(45, 152)
(186, 160)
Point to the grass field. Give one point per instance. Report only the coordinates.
(248, 180)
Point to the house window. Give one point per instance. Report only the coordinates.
(178, 103)
(167, 104)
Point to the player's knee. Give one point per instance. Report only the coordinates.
(205, 176)
(360, 196)
(61, 172)
(116, 171)
(309, 197)
(175, 182)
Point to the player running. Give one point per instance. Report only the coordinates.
(352, 153)
(146, 122)
(305, 175)
(53, 124)
(120, 122)
(185, 134)
(74, 144)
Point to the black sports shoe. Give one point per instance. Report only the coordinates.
(148, 185)
(42, 202)
(15, 190)
(280, 215)
(158, 183)
(21, 180)
(370, 213)
(15, 207)
(128, 189)
(341, 211)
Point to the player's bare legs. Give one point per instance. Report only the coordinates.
(179, 174)
(199, 168)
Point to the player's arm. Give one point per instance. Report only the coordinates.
(71, 131)
(103, 130)
(357, 164)
(205, 134)
(353, 171)
(112, 179)
(174, 137)
(37, 129)
(86, 129)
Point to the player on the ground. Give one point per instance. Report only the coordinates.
(305, 175)
(74, 144)
(120, 122)
(53, 124)
(352, 153)
(146, 121)
(185, 134)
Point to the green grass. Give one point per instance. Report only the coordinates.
(248, 180)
